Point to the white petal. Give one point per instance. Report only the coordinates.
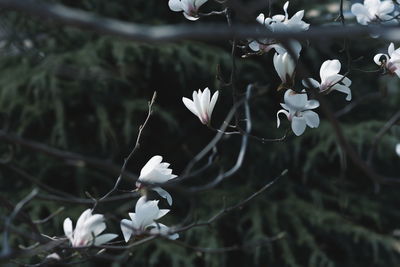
(329, 68)
(261, 18)
(255, 46)
(398, 149)
(212, 103)
(391, 49)
(313, 82)
(190, 17)
(162, 213)
(311, 104)
(68, 228)
(163, 194)
(199, 3)
(361, 13)
(298, 125)
(295, 101)
(127, 229)
(175, 5)
(278, 122)
(149, 166)
(84, 216)
(343, 89)
(311, 118)
(205, 102)
(101, 239)
(377, 58)
(385, 7)
(190, 105)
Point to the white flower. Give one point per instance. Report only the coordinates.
(279, 23)
(87, 231)
(146, 212)
(398, 149)
(285, 65)
(390, 62)
(297, 110)
(156, 171)
(202, 106)
(372, 10)
(331, 79)
(189, 7)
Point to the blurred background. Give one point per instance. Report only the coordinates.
(86, 93)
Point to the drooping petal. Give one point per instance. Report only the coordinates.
(343, 89)
(190, 17)
(311, 118)
(161, 229)
(278, 122)
(298, 125)
(163, 194)
(127, 229)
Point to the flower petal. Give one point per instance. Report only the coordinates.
(127, 229)
(311, 118)
(298, 125)
(68, 228)
(329, 68)
(175, 5)
(163, 194)
(101, 239)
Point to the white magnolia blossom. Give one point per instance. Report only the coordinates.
(331, 79)
(146, 212)
(189, 7)
(285, 65)
(279, 23)
(373, 10)
(202, 106)
(157, 172)
(87, 231)
(398, 149)
(297, 110)
(390, 61)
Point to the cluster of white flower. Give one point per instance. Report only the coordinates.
(144, 220)
(296, 107)
(374, 11)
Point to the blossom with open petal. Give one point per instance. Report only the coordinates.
(297, 109)
(87, 231)
(278, 23)
(390, 61)
(331, 79)
(201, 105)
(157, 172)
(143, 219)
(372, 10)
(188, 7)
